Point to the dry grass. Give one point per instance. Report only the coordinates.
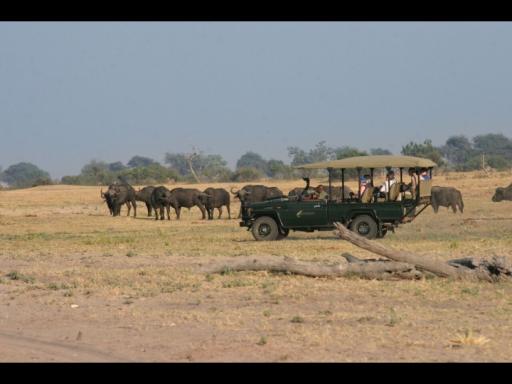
(139, 297)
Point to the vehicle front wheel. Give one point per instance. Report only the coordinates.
(365, 226)
(265, 229)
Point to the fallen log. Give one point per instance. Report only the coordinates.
(470, 269)
(352, 266)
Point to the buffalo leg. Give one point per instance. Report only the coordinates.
(168, 209)
(229, 212)
(220, 211)
(129, 208)
(148, 206)
(203, 210)
(454, 208)
(134, 203)
(178, 211)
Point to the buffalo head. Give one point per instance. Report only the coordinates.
(241, 194)
(498, 195)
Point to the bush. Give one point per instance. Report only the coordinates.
(247, 174)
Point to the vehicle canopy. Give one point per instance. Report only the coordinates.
(378, 161)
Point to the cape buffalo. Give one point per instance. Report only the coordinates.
(255, 193)
(336, 192)
(109, 195)
(446, 197)
(502, 194)
(161, 197)
(217, 197)
(188, 197)
(122, 194)
(144, 195)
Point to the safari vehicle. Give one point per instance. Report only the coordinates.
(368, 215)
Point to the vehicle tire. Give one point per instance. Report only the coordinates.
(365, 226)
(265, 228)
(282, 233)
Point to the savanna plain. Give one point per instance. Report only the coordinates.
(79, 285)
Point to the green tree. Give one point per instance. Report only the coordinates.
(140, 161)
(22, 175)
(116, 167)
(247, 174)
(277, 169)
(95, 173)
(254, 160)
(457, 151)
(379, 151)
(495, 144)
(425, 150)
(321, 152)
(210, 167)
(346, 151)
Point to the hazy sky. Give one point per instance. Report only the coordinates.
(73, 92)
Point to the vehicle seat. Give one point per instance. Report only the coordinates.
(394, 191)
(367, 196)
(425, 188)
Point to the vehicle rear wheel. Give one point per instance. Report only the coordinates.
(365, 226)
(265, 229)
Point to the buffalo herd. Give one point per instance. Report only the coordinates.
(160, 198)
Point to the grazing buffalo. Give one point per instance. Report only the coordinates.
(503, 194)
(144, 195)
(161, 198)
(217, 197)
(255, 193)
(336, 192)
(446, 197)
(188, 197)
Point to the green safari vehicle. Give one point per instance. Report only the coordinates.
(369, 213)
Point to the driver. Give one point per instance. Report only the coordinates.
(320, 192)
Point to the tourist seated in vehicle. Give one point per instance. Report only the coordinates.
(367, 191)
(424, 174)
(411, 187)
(320, 192)
(382, 191)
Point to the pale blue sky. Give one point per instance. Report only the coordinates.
(72, 92)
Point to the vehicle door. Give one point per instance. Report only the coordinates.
(304, 214)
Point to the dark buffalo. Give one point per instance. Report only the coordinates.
(108, 199)
(122, 194)
(144, 195)
(446, 197)
(256, 193)
(502, 194)
(336, 192)
(188, 197)
(217, 197)
(161, 198)
(108, 196)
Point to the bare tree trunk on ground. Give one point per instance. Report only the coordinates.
(374, 269)
(469, 268)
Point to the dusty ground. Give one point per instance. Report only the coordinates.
(79, 285)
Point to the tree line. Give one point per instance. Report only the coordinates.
(459, 153)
